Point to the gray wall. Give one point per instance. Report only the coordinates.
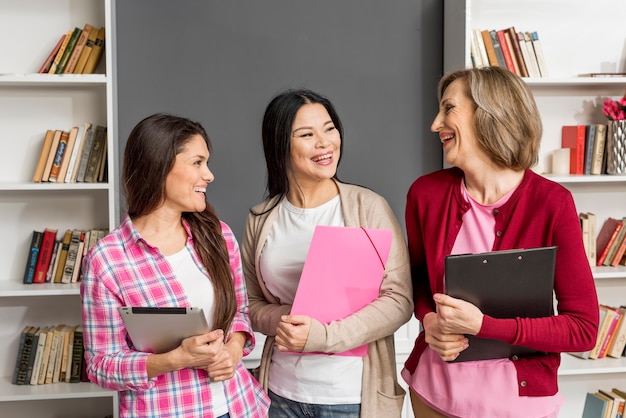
(220, 62)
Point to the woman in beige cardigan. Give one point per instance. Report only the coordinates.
(302, 141)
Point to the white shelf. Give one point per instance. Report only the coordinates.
(10, 289)
(578, 178)
(571, 365)
(53, 80)
(30, 187)
(11, 393)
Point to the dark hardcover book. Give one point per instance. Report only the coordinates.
(33, 255)
(97, 148)
(68, 51)
(19, 376)
(72, 256)
(84, 157)
(78, 351)
(590, 137)
(31, 358)
(58, 157)
(65, 246)
(18, 356)
(45, 255)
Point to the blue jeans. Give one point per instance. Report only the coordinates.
(285, 408)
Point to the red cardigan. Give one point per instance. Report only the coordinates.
(539, 213)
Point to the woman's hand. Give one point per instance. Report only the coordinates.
(445, 329)
(292, 332)
(227, 359)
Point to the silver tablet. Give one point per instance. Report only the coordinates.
(159, 330)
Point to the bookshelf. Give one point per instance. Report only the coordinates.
(30, 103)
(564, 99)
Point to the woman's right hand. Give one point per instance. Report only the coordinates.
(448, 346)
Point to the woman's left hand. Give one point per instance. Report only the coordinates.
(227, 359)
(456, 316)
(292, 332)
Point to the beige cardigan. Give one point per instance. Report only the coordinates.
(375, 324)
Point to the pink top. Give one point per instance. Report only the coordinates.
(444, 386)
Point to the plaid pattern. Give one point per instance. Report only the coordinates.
(124, 270)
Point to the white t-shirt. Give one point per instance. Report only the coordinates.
(199, 290)
(307, 378)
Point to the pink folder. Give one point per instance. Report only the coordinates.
(342, 273)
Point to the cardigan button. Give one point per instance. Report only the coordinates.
(514, 358)
(523, 383)
(498, 233)
(496, 211)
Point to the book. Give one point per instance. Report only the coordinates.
(509, 46)
(497, 48)
(586, 354)
(517, 50)
(33, 354)
(45, 67)
(84, 157)
(614, 314)
(45, 255)
(67, 155)
(77, 355)
(79, 258)
(80, 44)
(43, 156)
(616, 346)
(491, 52)
(72, 170)
(619, 404)
(53, 261)
(72, 254)
(18, 356)
(96, 53)
(71, 44)
(84, 54)
(620, 251)
(66, 369)
(592, 237)
(525, 54)
(58, 157)
(603, 328)
(612, 406)
(60, 52)
(541, 62)
(607, 235)
(33, 255)
(41, 343)
(595, 406)
(573, 137)
(65, 246)
(68, 337)
(97, 147)
(54, 363)
(533, 67)
(506, 52)
(584, 228)
(102, 163)
(615, 245)
(25, 356)
(474, 52)
(480, 45)
(599, 146)
(45, 358)
(53, 149)
(590, 137)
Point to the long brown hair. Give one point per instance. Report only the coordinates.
(149, 156)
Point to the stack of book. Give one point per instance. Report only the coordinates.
(52, 260)
(519, 52)
(605, 404)
(50, 354)
(77, 52)
(611, 339)
(587, 145)
(75, 155)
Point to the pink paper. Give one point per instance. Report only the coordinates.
(342, 273)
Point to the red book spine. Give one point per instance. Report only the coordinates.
(45, 255)
(573, 137)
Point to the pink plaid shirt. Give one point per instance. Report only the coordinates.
(124, 270)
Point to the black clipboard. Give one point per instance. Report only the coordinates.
(503, 284)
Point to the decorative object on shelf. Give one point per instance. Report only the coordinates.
(615, 111)
(560, 162)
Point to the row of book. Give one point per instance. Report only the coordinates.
(519, 52)
(608, 247)
(77, 52)
(611, 339)
(75, 155)
(50, 354)
(605, 404)
(587, 148)
(52, 260)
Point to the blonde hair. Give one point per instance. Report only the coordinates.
(507, 121)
